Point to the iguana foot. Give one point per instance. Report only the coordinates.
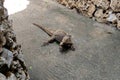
(73, 49)
(45, 43)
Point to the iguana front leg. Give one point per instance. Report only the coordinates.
(49, 41)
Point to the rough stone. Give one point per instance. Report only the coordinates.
(2, 77)
(118, 16)
(71, 4)
(17, 65)
(100, 16)
(115, 5)
(81, 4)
(85, 8)
(112, 17)
(101, 10)
(104, 4)
(91, 10)
(64, 2)
(118, 24)
(12, 77)
(1, 2)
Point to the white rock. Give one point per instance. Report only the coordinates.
(118, 24)
(12, 77)
(2, 77)
(112, 17)
(115, 5)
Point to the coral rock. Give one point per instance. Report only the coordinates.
(112, 17)
(2, 77)
(91, 10)
(115, 5)
(118, 24)
(104, 4)
(99, 15)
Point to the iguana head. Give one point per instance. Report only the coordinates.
(66, 41)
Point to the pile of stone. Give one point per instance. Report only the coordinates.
(12, 65)
(107, 11)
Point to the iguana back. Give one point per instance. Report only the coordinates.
(57, 35)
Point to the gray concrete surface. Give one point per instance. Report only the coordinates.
(97, 55)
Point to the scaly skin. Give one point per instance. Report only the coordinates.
(59, 36)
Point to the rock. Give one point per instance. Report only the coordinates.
(8, 55)
(100, 16)
(2, 77)
(104, 4)
(21, 75)
(1, 2)
(71, 4)
(5, 16)
(115, 5)
(118, 24)
(118, 16)
(87, 9)
(14, 63)
(107, 11)
(64, 2)
(19, 71)
(80, 4)
(91, 10)
(112, 17)
(1, 12)
(12, 77)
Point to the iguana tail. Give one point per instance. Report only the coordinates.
(44, 29)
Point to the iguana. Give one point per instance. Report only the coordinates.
(63, 38)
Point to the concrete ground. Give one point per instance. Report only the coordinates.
(97, 55)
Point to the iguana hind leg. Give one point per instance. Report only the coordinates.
(72, 48)
(49, 41)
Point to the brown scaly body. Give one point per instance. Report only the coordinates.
(59, 36)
